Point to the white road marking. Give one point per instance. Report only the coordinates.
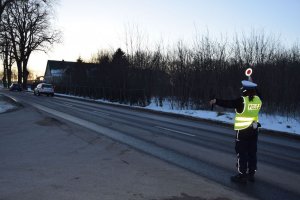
(95, 112)
(100, 113)
(175, 131)
(67, 104)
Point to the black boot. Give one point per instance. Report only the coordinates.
(239, 178)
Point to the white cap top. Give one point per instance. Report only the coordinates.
(248, 84)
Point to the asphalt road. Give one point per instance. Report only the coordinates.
(203, 148)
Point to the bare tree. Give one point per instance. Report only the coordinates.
(3, 5)
(6, 54)
(5, 51)
(100, 56)
(29, 29)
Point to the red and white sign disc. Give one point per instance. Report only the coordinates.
(248, 72)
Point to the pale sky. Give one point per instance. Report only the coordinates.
(92, 25)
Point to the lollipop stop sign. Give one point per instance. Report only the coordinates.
(248, 72)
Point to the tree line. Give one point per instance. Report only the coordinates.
(25, 26)
(188, 76)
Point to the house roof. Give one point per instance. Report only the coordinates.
(57, 68)
(55, 64)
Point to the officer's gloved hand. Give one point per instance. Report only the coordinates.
(212, 102)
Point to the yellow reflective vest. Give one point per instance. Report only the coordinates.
(249, 115)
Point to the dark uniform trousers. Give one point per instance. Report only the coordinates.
(246, 148)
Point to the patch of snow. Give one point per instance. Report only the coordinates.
(280, 123)
(4, 106)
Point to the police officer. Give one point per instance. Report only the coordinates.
(246, 126)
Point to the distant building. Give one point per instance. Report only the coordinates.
(69, 73)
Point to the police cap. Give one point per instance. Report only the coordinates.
(248, 85)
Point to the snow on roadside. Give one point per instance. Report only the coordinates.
(5, 106)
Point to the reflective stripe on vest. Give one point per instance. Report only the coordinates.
(249, 115)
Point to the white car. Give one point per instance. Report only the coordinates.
(44, 88)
